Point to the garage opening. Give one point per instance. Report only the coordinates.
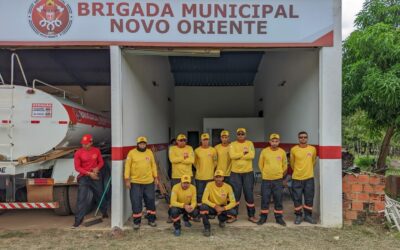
(49, 99)
(166, 92)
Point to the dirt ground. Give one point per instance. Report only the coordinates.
(264, 237)
(42, 229)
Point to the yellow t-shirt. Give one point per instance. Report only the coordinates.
(214, 195)
(223, 159)
(140, 167)
(180, 165)
(272, 163)
(205, 160)
(242, 163)
(302, 161)
(181, 197)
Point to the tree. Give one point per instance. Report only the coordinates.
(371, 69)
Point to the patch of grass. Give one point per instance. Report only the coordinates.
(392, 171)
(364, 162)
(13, 234)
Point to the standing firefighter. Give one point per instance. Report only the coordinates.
(88, 162)
(302, 160)
(205, 163)
(182, 159)
(224, 161)
(183, 201)
(218, 199)
(140, 177)
(242, 154)
(273, 166)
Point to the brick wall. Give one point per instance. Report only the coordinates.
(363, 198)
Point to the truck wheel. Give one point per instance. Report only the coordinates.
(73, 198)
(60, 195)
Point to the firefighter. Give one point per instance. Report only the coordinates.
(140, 178)
(183, 202)
(205, 162)
(242, 154)
(224, 161)
(88, 161)
(302, 160)
(182, 158)
(273, 166)
(218, 200)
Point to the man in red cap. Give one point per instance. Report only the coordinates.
(88, 162)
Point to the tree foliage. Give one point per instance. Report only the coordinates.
(371, 68)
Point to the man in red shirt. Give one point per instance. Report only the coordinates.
(88, 162)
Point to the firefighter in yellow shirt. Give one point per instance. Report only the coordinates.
(224, 161)
(302, 161)
(242, 154)
(181, 157)
(183, 201)
(140, 177)
(205, 160)
(273, 166)
(218, 199)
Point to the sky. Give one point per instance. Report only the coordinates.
(350, 8)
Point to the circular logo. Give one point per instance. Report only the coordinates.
(50, 18)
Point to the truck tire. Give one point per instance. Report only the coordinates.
(60, 194)
(73, 198)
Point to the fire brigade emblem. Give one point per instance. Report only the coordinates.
(50, 18)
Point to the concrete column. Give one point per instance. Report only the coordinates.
(330, 117)
(117, 202)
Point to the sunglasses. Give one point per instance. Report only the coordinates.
(240, 133)
(183, 140)
(303, 137)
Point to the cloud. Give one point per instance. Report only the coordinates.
(350, 9)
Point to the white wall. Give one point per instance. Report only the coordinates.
(145, 110)
(294, 106)
(330, 122)
(192, 104)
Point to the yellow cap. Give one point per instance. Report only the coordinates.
(243, 130)
(205, 136)
(224, 133)
(181, 137)
(141, 139)
(274, 136)
(219, 172)
(186, 178)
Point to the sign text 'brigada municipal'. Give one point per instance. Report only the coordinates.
(194, 18)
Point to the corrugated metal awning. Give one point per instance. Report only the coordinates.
(230, 69)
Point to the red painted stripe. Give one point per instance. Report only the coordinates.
(330, 152)
(6, 121)
(12, 205)
(29, 205)
(325, 40)
(120, 153)
(62, 122)
(35, 122)
(323, 152)
(77, 115)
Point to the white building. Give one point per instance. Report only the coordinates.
(194, 66)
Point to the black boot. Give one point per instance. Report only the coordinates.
(298, 220)
(262, 220)
(207, 232)
(280, 221)
(308, 218)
